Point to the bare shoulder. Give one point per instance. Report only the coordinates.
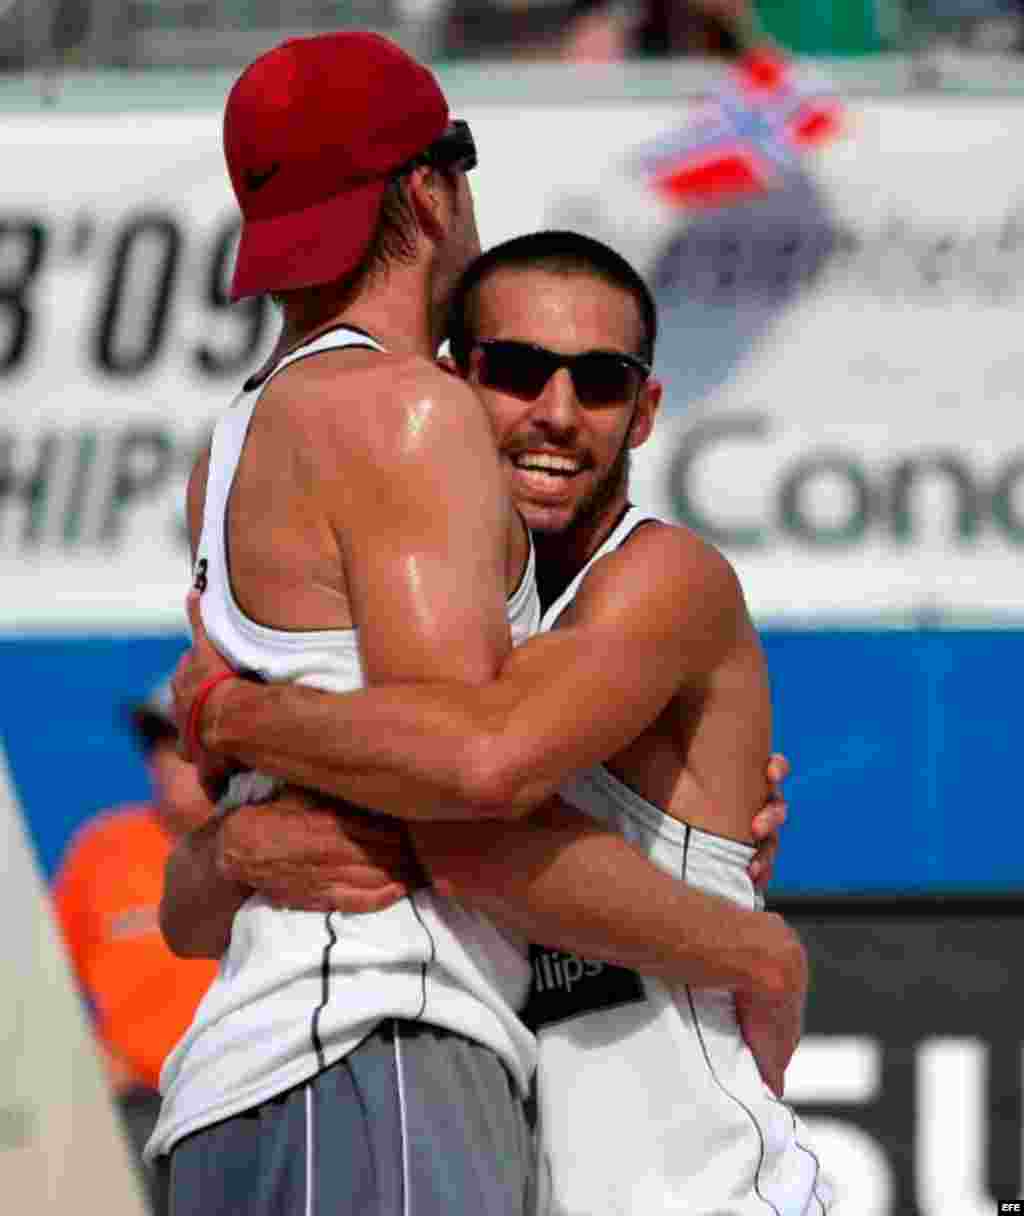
(671, 544)
(664, 564)
(664, 592)
(367, 401)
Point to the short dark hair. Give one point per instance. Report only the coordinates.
(559, 251)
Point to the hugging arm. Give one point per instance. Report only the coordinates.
(556, 877)
(494, 748)
(402, 579)
(566, 881)
(454, 729)
(532, 867)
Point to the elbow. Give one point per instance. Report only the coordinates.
(181, 942)
(176, 942)
(494, 778)
(189, 947)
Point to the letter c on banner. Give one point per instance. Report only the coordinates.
(697, 442)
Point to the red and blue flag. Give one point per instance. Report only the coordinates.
(746, 135)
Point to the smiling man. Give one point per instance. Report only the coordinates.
(524, 311)
(557, 332)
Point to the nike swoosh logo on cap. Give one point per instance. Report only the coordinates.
(255, 180)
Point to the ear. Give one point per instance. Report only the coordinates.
(429, 202)
(645, 412)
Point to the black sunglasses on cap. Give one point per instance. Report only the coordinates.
(454, 148)
(599, 377)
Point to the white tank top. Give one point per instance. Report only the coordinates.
(694, 1128)
(296, 991)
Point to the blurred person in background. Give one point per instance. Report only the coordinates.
(993, 26)
(107, 894)
(70, 26)
(43, 34)
(672, 28)
(594, 31)
(603, 30)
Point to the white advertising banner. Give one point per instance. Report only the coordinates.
(116, 351)
(841, 354)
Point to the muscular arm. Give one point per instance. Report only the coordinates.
(422, 525)
(560, 878)
(547, 868)
(563, 701)
(438, 524)
(574, 885)
(556, 877)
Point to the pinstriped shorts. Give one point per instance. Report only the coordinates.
(416, 1121)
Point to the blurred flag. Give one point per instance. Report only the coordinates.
(745, 135)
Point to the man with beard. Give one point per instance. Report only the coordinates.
(651, 660)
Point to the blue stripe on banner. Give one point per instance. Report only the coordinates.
(897, 738)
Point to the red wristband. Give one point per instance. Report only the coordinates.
(196, 708)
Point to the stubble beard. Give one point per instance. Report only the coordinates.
(589, 513)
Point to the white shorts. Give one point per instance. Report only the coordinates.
(650, 1102)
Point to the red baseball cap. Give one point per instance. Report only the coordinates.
(312, 132)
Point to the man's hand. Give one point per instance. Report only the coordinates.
(772, 1030)
(311, 854)
(772, 1023)
(767, 822)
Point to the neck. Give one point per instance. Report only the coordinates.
(394, 306)
(562, 555)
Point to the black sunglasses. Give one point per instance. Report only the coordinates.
(454, 148)
(599, 377)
